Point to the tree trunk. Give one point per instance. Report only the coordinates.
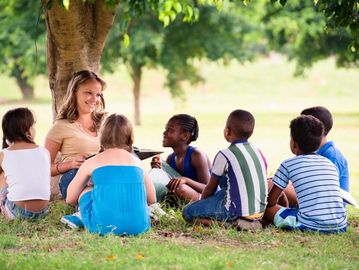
(27, 90)
(75, 41)
(136, 76)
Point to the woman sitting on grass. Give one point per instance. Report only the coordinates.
(117, 201)
(24, 168)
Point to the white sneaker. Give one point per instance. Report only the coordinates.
(156, 212)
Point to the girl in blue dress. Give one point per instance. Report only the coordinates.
(117, 202)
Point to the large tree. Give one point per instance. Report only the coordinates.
(76, 34)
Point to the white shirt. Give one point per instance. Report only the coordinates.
(27, 173)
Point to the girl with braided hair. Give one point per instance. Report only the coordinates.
(192, 164)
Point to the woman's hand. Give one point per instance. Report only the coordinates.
(77, 162)
(175, 183)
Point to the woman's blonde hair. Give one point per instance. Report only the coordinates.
(117, 132)
(68, 109)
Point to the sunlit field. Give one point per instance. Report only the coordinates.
(267, 89)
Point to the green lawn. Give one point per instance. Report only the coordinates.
(269, 91)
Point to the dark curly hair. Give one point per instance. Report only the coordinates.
(188, 124)
(307, 132)
(323, 114)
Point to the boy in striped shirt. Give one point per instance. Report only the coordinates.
(240, 171)
(315, 181)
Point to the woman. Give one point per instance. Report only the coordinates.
(74, 133)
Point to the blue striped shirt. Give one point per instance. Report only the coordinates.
(315, 180)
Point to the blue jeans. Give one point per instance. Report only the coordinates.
(65, 181)
(11, 211)
(212, 208)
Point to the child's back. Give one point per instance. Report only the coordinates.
(243, 165)
(117, 203)
(240, 171)
(315, 180)
(118, 196)
(24, 168)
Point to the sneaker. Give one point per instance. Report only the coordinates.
(156, 212)
(74, 221)
(246, 225)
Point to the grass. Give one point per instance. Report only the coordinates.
(267, 89)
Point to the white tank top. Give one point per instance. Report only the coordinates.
(27, 173)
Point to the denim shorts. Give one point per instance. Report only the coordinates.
(11, 211)
(65, 181)
(212, 208)
(287, 219)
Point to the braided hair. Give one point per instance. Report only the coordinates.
(188, 124)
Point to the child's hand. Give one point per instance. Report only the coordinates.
(175, 183)
(156, 162)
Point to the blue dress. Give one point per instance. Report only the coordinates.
(118, 202)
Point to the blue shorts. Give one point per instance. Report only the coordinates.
(211, 208)
(11, 211)
(287, 219)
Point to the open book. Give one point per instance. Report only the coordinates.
(145, 153)
(140, 153)
(348, 198)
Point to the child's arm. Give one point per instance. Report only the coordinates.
(273, 196)
(150, 190)
(78, 184)
(211, 187)
(156, 162)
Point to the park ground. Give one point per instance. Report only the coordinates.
(267, 89)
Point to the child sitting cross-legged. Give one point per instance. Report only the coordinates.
(315, 181)
(240, 171)
(117, 203)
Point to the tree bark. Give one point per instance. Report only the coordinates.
(136, 75)
(75, 41)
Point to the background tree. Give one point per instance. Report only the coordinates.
(300, 31)
(232, 33)
(22, 43)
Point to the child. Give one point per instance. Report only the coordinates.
(327, 148)
(240, 170)
(117, 201)
(315, 181)
(192, 164)
(24, 168)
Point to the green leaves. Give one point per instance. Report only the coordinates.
(126, 40)
(66, 4)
